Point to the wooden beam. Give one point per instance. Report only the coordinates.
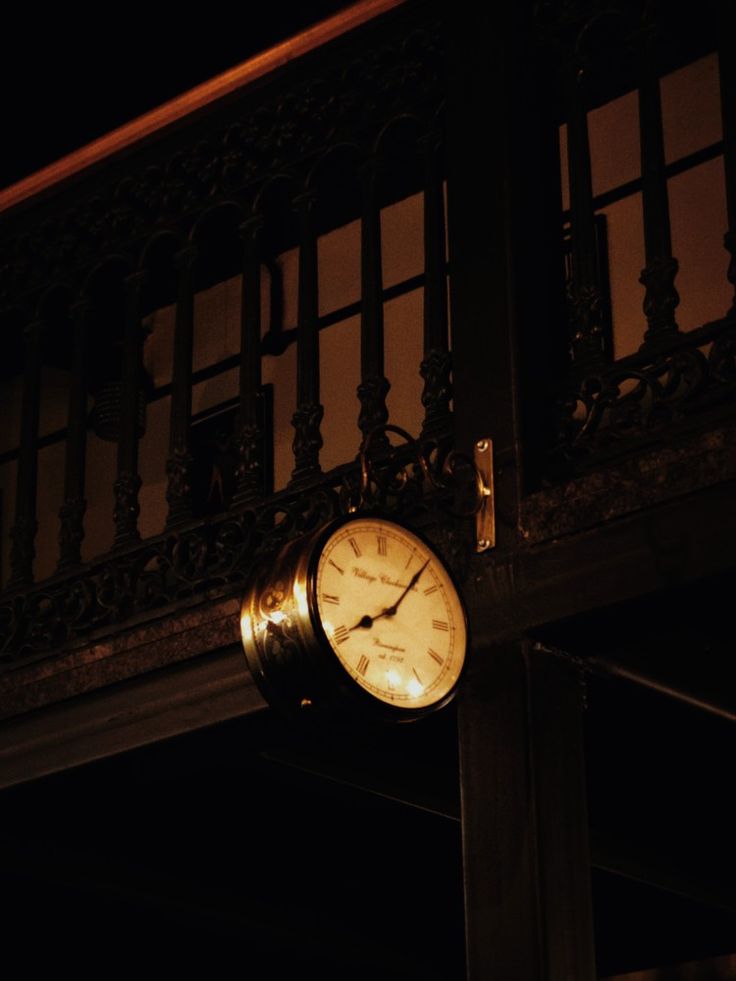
(678, 543)
(195, 99)
(178, 699)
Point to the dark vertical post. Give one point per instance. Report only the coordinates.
(512, 811)
(24, 530)
(587, 333)
(128, 482)
(501, 918)
(374, 386)
(555, 691)
(436, 363)
(525, 839)
(249, 437)
(71, 515)
(309, 411)
(727, 63)
(658, 277)
(179, 463)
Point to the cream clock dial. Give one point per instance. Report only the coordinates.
(391, 613)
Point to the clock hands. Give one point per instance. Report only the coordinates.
(368, 621)
(364, 621)
(391, 610)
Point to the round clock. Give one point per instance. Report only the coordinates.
(362, 615)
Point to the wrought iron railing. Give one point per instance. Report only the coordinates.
(610, 406)
(336, 137)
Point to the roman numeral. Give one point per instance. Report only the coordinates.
(341, 634)
(429, 590)
(354, 546)
(333, 563)
(363, 665)
(440, 625)
(435, 656)
(326, 598)
(416, 675)
(381, 545)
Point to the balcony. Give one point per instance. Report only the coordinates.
(204, 321)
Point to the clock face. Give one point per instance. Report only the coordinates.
(391, 613)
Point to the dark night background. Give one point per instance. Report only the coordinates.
(84, 76)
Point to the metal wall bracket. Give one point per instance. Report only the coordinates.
(485, 517)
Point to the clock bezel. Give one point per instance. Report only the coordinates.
(287, 649)
(369, 702)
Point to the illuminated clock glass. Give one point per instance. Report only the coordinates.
(390, 613)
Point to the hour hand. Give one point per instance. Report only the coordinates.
(365, 621)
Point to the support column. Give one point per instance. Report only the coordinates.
(526, 869)
(525, 839)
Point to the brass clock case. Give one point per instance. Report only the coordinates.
(363, 616)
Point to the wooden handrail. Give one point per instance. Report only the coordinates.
(197, 98)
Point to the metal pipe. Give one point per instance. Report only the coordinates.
(604, 668)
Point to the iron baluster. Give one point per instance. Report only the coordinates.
(128, 482)
(71, 514)
(588, 337)
(24, 530)
(249, 436)
(308, 416)
(658, 277)
(436, 363)
(727, 63)
(374, 386)
(179, 463)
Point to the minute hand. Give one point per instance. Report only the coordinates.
(391, 610)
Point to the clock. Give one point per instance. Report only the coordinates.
(362, 616)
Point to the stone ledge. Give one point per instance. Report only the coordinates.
(175, 699)
(132, 651)
(692, 463)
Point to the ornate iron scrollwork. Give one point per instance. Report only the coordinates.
(637, 397)
(291, 121)
(153, 574)
(415, 480)
(307, 439)
(409, 470)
